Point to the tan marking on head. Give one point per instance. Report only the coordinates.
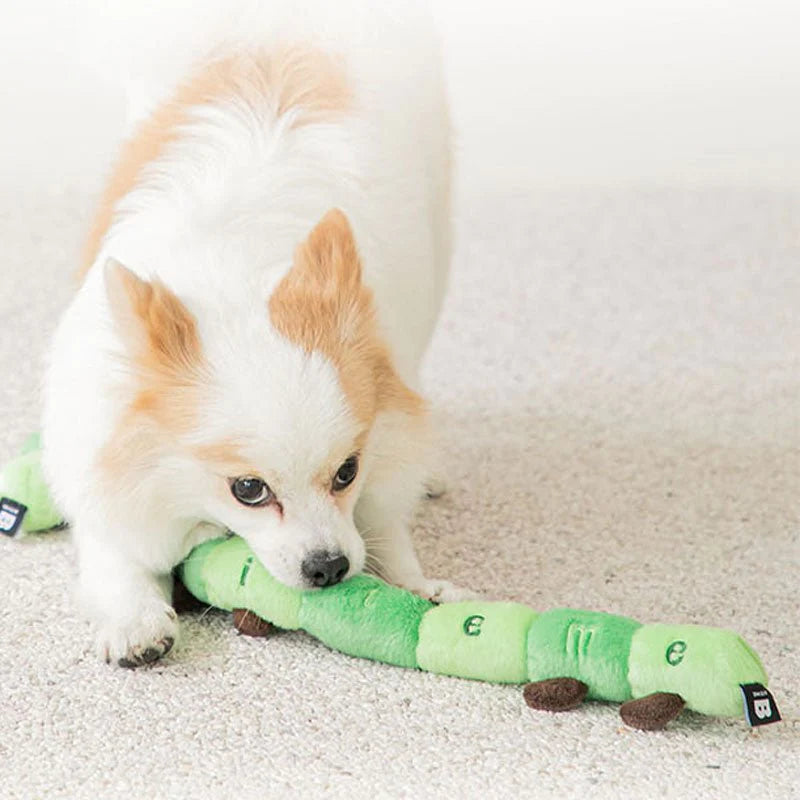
(225, 457)
(321, 304)
(222, 451)
(165, 356)
(292, 78)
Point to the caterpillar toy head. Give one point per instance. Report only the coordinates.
(705, 666)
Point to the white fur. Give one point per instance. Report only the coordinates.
(217, 220)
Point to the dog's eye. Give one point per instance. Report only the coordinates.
(251, 491)
(346, 474)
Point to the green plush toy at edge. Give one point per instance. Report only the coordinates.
(563, 656)
(22, 481)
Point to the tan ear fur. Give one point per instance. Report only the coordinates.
(329, 256)
(322, 305)
(154, 323)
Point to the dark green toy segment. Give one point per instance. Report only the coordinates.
(588, 645)
(366, 618)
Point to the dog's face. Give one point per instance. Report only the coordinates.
(283, 464)
(266, 416)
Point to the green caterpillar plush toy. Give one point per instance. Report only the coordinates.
(562, 656)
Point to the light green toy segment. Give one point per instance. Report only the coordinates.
(618, 658)
(22, 480)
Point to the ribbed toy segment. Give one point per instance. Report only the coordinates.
(588, 645)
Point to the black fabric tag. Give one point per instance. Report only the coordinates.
(11, 515)
(759, 705)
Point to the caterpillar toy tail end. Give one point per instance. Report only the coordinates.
(28, 507)
(555, 694)
(705, 666)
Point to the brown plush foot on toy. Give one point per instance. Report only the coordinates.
(555, 694)
(250, 624)
(651, 713)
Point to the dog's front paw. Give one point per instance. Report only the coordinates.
(149, 637)
(440, 591)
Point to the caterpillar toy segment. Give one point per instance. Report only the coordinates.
(22, 482)
(589, 646)
(366, 617)
(224, 573)
(32, 444)
(482, 641)
(705, 666)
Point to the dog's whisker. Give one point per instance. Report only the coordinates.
(372, 538)
(206, 611)
(376, 566)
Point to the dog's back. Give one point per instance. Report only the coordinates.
(377, 68)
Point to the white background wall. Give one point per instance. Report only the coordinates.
(545, 92)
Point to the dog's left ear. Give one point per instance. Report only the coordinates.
(155, 326)
(329, 256)
(321, 302)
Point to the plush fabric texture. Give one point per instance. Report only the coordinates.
(587, 645)
(617, 382)
(652, 712)
(476, 640)
(250, 624)
(21, 480)
(555, 694)
(704, 666)
(365, 617)
(225, 574)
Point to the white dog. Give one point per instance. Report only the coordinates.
(262, 279)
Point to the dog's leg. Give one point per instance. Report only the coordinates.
(396, 561)
(391, 554)
(128, 604)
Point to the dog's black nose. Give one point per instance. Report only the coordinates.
(322, 569)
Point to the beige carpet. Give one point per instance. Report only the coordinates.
(618, 376)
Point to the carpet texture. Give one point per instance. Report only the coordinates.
(617, 379)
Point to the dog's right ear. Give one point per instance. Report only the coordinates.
(154, 324)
